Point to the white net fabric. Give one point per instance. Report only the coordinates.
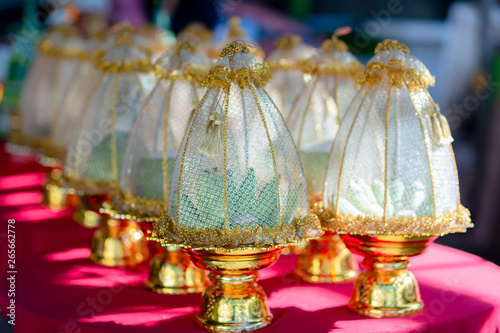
(317, 112)
(237, 180)
(286, 64)
(97, 150)
(73, 101)
(52, 70)
(158, 132)
(386, 174)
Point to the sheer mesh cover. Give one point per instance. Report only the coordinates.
(45, 86)
(316, 114)
(158, 133)
(237, 180)
(386, 175)
(286, 64)
(98, 146)
(73, 101)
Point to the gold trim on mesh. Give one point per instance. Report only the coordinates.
(275, 165)
(221, 77)
(456, 221)
(391, 44)
(167, 232)
(90, 186)
(287, 42)
(428, 150)
(398, 75)
(126, 65)
(191, 72)
(351, 70)
(334, 44)
(136, 208)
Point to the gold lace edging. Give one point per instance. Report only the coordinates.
(166, 232)
(90, 187)
(334, 44)
(287, 42)
(391, 44)
(352, 70)
(221, 76)
(128, 65)
(191, 72)
(398, 75)
(457, 221)
(136, 208)
(40, 142)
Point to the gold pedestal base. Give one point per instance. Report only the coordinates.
(326, 260)
(234, 302)
(54, 196)
(294, 249)
(86, 212)
(118, 243)
(386, 288)
(172, 272)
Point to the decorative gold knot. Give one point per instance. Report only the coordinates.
(124, 36)
(233, 48)
(183, 43)
(198, 30)
(288, 41)
(334, 44)
(221, 77)
(391, 44)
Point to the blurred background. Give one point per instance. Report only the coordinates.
(459, 42)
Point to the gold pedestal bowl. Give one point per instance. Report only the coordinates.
(53, 195)
(87, 211)
(386, 288)
(118, 243)
(326, 260)
(172, 272)
(234, 302)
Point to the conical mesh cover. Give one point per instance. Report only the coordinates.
(317, 112)
(97, 150)
(389, 171)
(159, 130)
(237, 181)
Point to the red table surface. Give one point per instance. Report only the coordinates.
(59, 290)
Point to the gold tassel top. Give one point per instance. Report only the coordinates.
(63, 41)
(237, 65)
(183, 62)
(392, 59)
(334, 59)
(290, 53)
(122, 54)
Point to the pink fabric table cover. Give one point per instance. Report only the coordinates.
(59, 290)
(64, 292)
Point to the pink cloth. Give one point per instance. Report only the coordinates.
(64, 292)
(59, 290)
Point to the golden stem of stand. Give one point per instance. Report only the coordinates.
(386, 288)
(326, 260)
(54, 196)
(234, 302)
(172, 272)
(86, 211)
(118, 243)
